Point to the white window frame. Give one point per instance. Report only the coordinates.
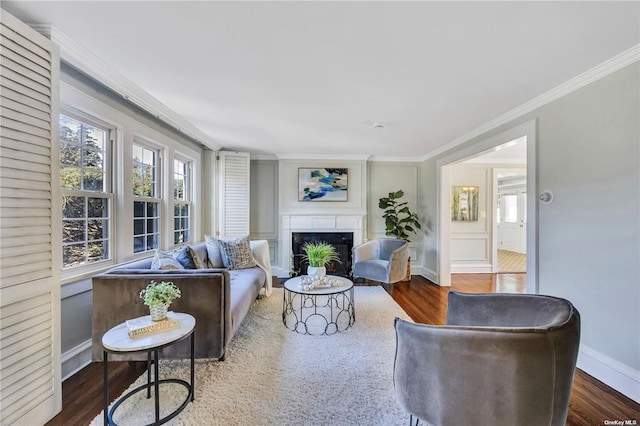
(107, 193)
(187, 200)
(157, 198)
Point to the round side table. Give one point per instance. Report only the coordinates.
(117, 340)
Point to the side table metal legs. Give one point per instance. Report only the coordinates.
(108, 414)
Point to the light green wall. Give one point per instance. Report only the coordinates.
(383, 179)
(589, 237)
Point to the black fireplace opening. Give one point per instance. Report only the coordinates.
(342, 241)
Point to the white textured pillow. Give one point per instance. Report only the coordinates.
(236, 253)
(164, 260)
(213, 252)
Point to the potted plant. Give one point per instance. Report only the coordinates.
(399, 220)
(158, 297)
(318, 255)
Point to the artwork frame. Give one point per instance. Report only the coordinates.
(317, 184)
(464, 203)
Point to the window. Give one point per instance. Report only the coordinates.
(510, 208)
(181, 202)
(86, 199)
(146, 204)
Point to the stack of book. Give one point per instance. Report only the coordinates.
(144, 326)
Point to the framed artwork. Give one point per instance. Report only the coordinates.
(316, 184)
(464, 203)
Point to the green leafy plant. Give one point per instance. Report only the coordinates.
(399, 220)
(162, 293)
(319, 254)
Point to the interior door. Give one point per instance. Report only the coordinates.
(522, 200)
(234, 194)
(512, 225)
(30, 218)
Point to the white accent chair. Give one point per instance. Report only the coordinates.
(384, 260)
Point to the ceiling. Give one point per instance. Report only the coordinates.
(312, 78)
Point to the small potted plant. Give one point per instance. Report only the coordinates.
(158, 297)
(318, 255)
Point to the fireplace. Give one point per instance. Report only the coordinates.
(342, 241)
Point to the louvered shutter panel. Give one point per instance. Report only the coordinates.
(30, 385)
(234, 194)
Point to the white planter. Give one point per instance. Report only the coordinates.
(317, 272)
(158, 313)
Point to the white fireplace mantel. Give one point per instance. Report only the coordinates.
(317, 223)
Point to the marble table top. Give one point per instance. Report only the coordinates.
(117, 339)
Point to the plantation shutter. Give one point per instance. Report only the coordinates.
(234, 194)
(30, 384)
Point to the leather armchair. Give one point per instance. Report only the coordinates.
(383, 260)
(500, 359)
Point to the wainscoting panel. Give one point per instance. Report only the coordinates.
(470, 253)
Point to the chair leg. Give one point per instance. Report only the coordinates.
(411, 420)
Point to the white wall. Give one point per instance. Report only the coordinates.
(288, 188)
(471, 241)
(387, 177)
(80, 94)
(589, 237)
(264, 218)
(368, 181)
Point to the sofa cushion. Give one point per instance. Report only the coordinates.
(245, 286)
(197, 260)
(236, 253)
(183, 255)
(164, 260)
(213, 252)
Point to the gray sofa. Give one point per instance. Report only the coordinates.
(218, 299)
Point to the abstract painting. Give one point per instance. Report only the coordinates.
(316, 184)
(464, 203)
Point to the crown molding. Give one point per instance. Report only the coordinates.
(480, 160)
(262, 157)
(322, 157)
(382, 159)
(79, 57)
(596, 73)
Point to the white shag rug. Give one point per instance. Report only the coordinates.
(275, 376)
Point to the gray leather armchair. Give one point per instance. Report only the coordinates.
(383, 260)
(500, 359)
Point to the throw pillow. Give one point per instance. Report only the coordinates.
(196, 259)
(164, 260)
(183, 255)
(213, 252)
(236, 253)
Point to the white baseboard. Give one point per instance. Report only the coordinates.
(425, 273)
(280, 272)
(76, 359)
(484, 268)
(613, 373)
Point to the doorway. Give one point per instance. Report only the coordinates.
(510, 220)
(444, 168)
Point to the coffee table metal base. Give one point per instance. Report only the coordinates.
(318, 314)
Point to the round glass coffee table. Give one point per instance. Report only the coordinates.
(321, 311)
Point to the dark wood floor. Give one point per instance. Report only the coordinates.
(591, 404)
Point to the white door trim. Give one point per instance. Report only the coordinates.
(443, 230)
